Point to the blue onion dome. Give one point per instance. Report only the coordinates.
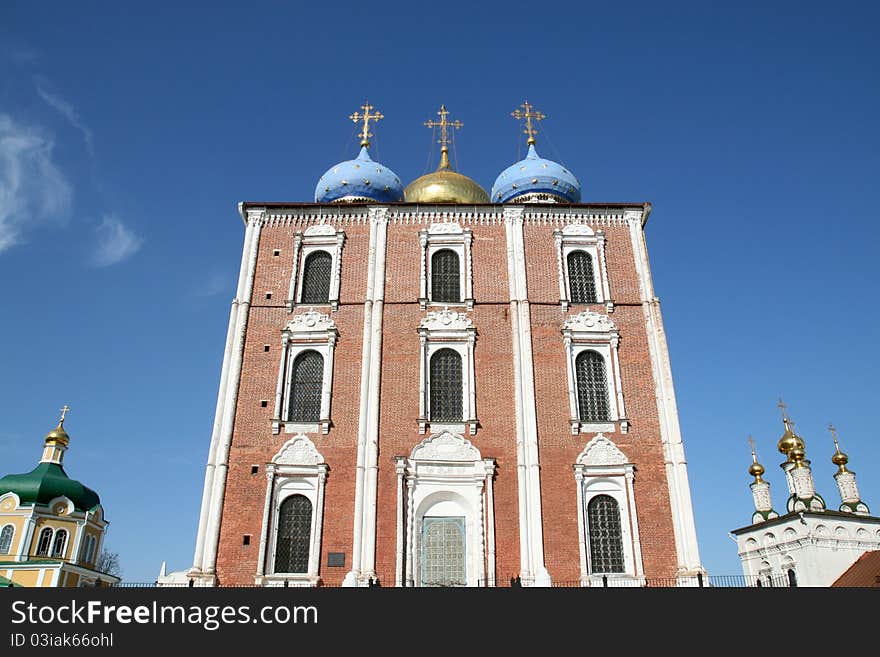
(536, 180)
(359, 180)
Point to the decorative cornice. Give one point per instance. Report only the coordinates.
(578, 229)
(299, 450)
(449, 228)
(601, 451)
(445, 446)
(310, 321)
(320, 229)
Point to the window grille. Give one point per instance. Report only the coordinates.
(44, 543)
(445, 277)
(592, 387)
(58, 543)
(316, 278)
(443, 552)
(581, 282)
(6, 539)
(446, 386)
(307, 380)
(606, 541)
(294, 535)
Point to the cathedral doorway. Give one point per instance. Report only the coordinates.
(443, 551)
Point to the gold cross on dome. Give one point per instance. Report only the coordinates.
(782, 406)
(529, 113)
(833, 431)
(752, 445)
(64, 411)
(366, 117)
(444, 126)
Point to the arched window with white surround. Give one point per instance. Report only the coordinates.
(6, 535)
(446, 266)
(293, 539)
(606, 540)
(608, 528)
(445, 277)
(44, 542)
(581, 279)
(305, 374)
(316, 278)
(594, 383)
(59, 544)
(446, 386)
(307, 378)
(592, 387)
(293, 514)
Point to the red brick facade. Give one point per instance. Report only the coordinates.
(253, 442)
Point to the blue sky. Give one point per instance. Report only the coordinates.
(128, 135)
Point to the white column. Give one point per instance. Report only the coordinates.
(684, 528)
(282, 370)
(291, 293)
(574, 415)
(469, 269)
(603, 270)
(368, 558)
(582, 540)
(472, 386)
(26, 539)
(481, 536)
(563, 294)
(205, 558)
(634, 521)
(423, 273)
(337, 270)
(318, 520)
(423, 373)
(621, 410)
(351, 578)
(264, 528)
(401, 525)
(410, 523)
(77, 542)
(490, 522)
(327, 389)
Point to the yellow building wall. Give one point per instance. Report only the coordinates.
(27, 577)
(55, 524)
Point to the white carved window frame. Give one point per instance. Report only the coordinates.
(297, 469)
(309, 331)
(602, 469)
(453, 237)
(446, 475)
(580, 237)
(322, 237)
(447, 329)
(590, 331)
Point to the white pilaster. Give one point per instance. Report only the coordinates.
(264, 527)
(400, 468)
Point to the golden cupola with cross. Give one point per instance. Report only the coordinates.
(445, 185)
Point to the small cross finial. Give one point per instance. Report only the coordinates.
(833, 431)
(752, 445)
(782, 407)
(366, 117)
(64, 411)
(444, 126)
(529, 113)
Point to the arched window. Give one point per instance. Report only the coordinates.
(792, 578)
(443, 552)
(446, 390)
(581, 281)
(44, 543)
(606, 541)
(445, 277)
(592, 387)
(294, 535)
(316, 278)
(59, 543)
(305, 390)
(88, 550)
(6, 539)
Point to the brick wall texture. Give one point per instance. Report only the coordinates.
(254, 444)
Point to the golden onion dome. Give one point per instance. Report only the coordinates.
(838, 458)
(58, 435)
(790, 441)
(756, 470)
(444, 186)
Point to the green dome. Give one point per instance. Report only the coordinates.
(46, 482)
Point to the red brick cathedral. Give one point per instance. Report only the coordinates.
(434, 386)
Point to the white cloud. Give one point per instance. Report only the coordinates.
(116, 242)
(33, 191)
(68, 112)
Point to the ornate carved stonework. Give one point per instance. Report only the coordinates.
(310, 321)
(450, 228)
(577, 229)
(445, 446)
(589, 322)
(320, 229)
(601, 451)
(761, 495)
(846, 483)
(299, 450)
(445, 320)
